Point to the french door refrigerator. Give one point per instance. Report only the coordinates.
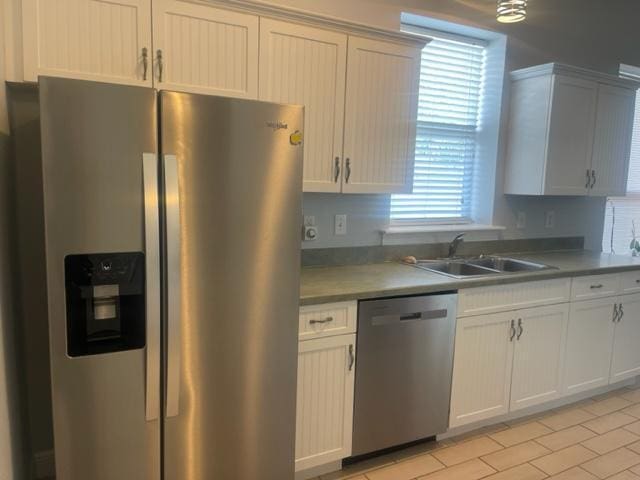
(172, 271)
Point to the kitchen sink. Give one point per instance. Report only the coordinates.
(479, 267)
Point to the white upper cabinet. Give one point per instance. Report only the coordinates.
(103, 40)
(569, 132)
(306, 66)
(380, 116)
(612, 141)
(202, 49)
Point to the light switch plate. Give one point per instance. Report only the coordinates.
(309, 220)
(341, 224)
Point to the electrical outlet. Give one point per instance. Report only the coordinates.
(550, 219)
(309, 220)
(521, 221)
(341, 224)
(310, 233)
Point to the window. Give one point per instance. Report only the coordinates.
(450, 102)
(622, 213)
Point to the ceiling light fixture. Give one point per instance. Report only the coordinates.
(511, 11)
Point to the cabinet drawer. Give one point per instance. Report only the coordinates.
(630, 282)
(326, 320)
(478, 301)
(594, 286)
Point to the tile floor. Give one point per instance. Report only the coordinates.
(593, 439)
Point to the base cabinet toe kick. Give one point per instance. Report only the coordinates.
(506, 350)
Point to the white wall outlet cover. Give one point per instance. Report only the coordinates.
(341, 224)
(549, 219)
(521, 221)
(310, 233)
(309, 220)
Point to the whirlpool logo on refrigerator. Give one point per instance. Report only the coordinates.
(295, 138)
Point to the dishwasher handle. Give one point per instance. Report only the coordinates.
(390, 319)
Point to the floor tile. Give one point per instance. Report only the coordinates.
(467, 450)
(420, 449)
(521, 472)
(407, 469)
(607, 405)
(632, 395)
(612, 463)
(479, 432)
(576, 473)
(633, 410)
(566, 438)
(516, 455)
(633, 427)
(520, 434)
(626, 475)
(609, 422)
(471, 470)
(563, 459)
(635, 469)
(634, 447)
(567, 418)
(610, 441)
(359, 468)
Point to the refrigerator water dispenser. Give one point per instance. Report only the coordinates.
(105, 302)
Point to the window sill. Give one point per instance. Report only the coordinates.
(452, 227)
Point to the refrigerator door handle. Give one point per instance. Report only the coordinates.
(152, 274)
(174, 285)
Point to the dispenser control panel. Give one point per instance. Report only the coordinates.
(105, 296)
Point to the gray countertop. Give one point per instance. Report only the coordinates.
(357, 282)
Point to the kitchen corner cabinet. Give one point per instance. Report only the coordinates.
(507, 361)
(202, 49)
(306, 65)
(569, 132)
(102, 40)
(324, 412)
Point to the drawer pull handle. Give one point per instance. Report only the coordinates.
(513, 331)
(326, 320)
(520, 329)
(620, 313)
(615, 312)
(593, 287)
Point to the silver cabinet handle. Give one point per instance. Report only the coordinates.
(513, 330)
(347, 170)
(145, 63)
(152, 283)
(174, 284)
(620, 313)
(326, 320)
(160, 64)
(336, 170)
(588, 179)
(520, 329)
(352, 357)
(593, 178)
(594, 287)
(615, 312)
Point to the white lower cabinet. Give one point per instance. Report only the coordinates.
(481, 368)
(324, 414)
(589, 345)
(625, 362)
(507, 361)
(538, 355)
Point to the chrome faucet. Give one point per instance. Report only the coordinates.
(455, 243)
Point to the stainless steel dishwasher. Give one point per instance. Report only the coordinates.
(404, 368)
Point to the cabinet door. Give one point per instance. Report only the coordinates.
(306, 66)
(612, 142)
(205, 49)
(589, 344)
(626, 345)
(539, 355)
(482, 368)
(571, 130)
(102, 40)
(324, 416)
(380, 117)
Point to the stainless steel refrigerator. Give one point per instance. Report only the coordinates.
(172, 240)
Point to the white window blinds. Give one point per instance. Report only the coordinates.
(450, 101)
(622, 214)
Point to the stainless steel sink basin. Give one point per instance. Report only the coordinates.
(509, 265)
(456, 269)
(480, 267)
